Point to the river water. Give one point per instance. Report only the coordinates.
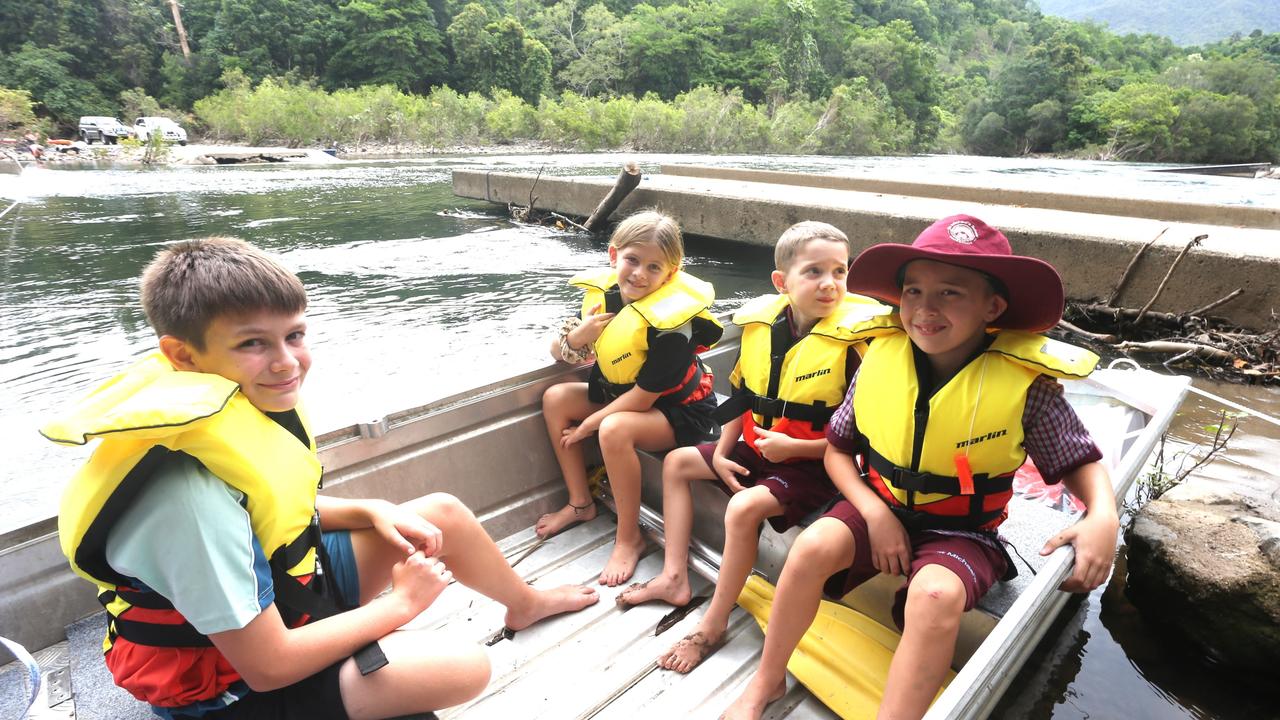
(416, 295)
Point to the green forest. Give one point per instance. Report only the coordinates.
(991, 77)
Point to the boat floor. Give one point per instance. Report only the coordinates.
(598, 663)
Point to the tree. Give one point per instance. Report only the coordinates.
(499, 54)
(857, 121)
(15, 110)
(600, 68)
(471, 51)
(45, 73)
(892, 57)
(1138, 120)
(393, 42)
(1216, 128)
(670, 49)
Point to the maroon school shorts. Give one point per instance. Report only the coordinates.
(976, 563)
(802, 488)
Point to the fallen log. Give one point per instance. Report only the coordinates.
(627, 181)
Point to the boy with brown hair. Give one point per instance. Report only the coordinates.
(955, 390)
(233, 590)
(791, 372)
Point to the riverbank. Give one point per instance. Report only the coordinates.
(80, 155)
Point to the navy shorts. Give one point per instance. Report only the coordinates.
(802, 488)
(318, 696)
(343, 571)
(978, 564)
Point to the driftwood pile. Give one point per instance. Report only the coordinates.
(1193, 341)
(627, 181)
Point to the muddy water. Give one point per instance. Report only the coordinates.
(417, 295)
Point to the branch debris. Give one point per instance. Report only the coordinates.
(1192, 341)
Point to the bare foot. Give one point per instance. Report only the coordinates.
(751, 703)
(690, 651)
(622, 563)
(667, 588)
(566, 598)
(554, 522)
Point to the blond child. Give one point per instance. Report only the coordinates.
(954, 392)
(644, 320)
(233, 589)
(769, 454)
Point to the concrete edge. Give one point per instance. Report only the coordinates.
(1229, 215)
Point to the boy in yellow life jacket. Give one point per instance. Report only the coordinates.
(796, 359)
(644, 320)
(233, 590)
(954, 392)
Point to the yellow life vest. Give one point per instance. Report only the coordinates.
(144, 414)
(623, 346)
(950, 464)
(794, 387)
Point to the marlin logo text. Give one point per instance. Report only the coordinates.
(814, 374)
(620, 358)
(981, 438)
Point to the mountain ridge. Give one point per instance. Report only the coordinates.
(1186, 23)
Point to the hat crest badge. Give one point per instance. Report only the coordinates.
(962, 232)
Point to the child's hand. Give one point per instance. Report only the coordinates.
(418, 580)
(1094, 538)
(890, 544)
(774, 446)
(591, 327)
(408, 531)
(575, 434)
(725, 469)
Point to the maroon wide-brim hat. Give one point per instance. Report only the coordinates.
(1034, 286)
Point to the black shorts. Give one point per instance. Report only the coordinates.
(318, 697)
(691, 424)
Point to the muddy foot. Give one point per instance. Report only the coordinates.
(566, 598)
(751, 704)
(666, 588)
(690, 651)
(554, 522)
(622, 563)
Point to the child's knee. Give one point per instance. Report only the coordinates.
(555, 396)
(476, 670)
(822, 549)
(680, 465)
(615, 433)
(443, 509)
(935, 600)
(747, 509)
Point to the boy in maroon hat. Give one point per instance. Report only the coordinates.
(953, 394)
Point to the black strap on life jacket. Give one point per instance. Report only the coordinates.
(612, 391)
(768, 406)
(818, 413)
(902, 478)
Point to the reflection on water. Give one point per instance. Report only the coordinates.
(417, 294)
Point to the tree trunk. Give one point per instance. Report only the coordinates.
(182, 31)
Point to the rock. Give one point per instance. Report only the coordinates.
(1212, 573)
